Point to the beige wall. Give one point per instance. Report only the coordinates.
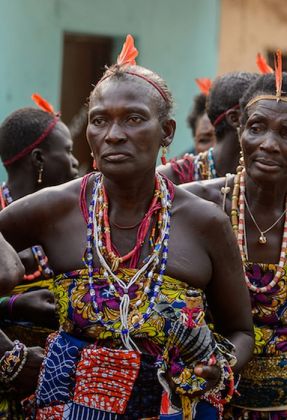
(248, 27)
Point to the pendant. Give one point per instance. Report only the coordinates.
(262, 239)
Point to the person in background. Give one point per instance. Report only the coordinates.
(223, 112)
(255, 200)
(36, 150)
(134, 257)
(202, 130)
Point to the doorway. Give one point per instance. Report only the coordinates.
(84, 60)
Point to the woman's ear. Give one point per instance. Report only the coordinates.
(232, 117)
(168, 130)
(37, 158)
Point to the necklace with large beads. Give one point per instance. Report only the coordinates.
(130, 319)
(240, 228)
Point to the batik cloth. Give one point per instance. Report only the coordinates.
(73, 383)
(263, 385)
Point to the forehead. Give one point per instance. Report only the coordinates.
(61, 136)
(268, 108)
(131, 93)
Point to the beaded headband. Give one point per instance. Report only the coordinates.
(45, 106)
(278, 81)
(223, 114)
(126, 58)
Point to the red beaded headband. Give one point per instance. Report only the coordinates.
(127, 57)
(223, 114)
(45, 106)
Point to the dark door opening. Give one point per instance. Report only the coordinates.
(84, 59)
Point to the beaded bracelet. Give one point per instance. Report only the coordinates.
(12, 362)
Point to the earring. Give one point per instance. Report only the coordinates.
(163, 155)
(238, 133)
(40, 174)
(94, 163)
(241, 159)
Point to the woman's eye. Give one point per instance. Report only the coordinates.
(256, 128)
(283, 132)
(98, 121)
(135, 119)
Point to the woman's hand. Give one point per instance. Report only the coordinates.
(25, 383)
(37, 306)
(211, 374)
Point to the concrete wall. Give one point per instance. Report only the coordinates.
(178, 39)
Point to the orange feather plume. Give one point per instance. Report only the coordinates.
(278, 72)
(204, 85)
(128, 53)
(42, 103)
(262, 65)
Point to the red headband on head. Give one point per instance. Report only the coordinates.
(204, 85)
(127, 57)
(222, 115)
(45, 106)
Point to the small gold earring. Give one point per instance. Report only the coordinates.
(40, 175)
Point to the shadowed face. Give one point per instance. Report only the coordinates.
(60, 165)
(204, 134)
(124, 130)
(264, 141)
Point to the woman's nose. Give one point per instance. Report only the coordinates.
(115, 133)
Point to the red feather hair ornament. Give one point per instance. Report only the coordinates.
(128, 53)
(42, 103)
(262, 65)
(278, 73)
(204, 85)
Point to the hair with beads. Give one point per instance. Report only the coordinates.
(21, 129)
(197, 111)
(264, 85)
(225, 94)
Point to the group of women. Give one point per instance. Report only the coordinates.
(142, 267)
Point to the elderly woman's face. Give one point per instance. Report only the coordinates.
(124, 131)
(264, 141)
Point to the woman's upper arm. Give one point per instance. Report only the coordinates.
(227, 292)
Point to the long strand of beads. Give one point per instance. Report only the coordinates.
(212, 171)
(240, 238)
(149, 267)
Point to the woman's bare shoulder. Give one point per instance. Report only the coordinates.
(211, 190)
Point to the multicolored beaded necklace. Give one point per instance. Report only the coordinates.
(238, 224)
(39, 256)
(204, 166)
(96, 229)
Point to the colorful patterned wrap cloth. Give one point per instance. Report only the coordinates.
(263, 382)
(85, 362)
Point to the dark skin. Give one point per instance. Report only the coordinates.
(225, 151)
(264, 144)
(204, 134)
(59, 165)
(125, 134)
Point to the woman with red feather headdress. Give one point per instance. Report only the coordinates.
(134, 258)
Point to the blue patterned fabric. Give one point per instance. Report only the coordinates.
(56, 381)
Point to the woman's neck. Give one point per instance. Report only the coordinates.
(226, 154)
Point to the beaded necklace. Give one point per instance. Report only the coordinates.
(204, 166)
(95, 225)
(238, 224)
(40, 258)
